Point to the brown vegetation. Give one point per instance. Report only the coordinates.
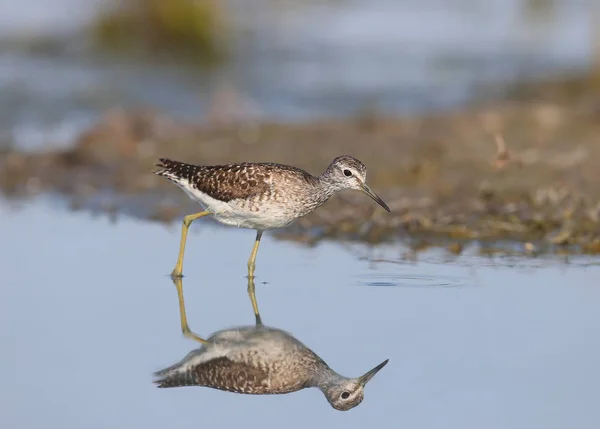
(524, 171)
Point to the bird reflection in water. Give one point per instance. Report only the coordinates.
(259, 360)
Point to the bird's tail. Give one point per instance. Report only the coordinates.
(174, 170)
(174, 378)
(178, 374)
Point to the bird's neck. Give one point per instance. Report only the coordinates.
(328, 182)
(324, 378)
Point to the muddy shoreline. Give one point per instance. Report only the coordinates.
(519, 170)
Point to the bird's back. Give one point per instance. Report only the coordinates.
(251, 360)
(230, 181)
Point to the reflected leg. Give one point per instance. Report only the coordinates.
(187, 221)
(252, 260)
(184, 325)
(252, 295)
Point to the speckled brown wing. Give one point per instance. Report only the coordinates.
(220, 373)
(222, 182)
(227, 182)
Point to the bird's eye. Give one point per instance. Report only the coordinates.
(345, 395)
(347, 173)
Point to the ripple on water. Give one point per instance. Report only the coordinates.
(412, 279)
(435, 268)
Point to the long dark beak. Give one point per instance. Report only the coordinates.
(365, 188)
(364, 379)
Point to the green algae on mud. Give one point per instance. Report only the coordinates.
(192, 30)
(525, 172)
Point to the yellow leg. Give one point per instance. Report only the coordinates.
(252, 260)
(184, 325)
(187, 221)
(252, 294)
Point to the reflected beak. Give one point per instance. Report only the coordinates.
(364, 379)
(365, 188)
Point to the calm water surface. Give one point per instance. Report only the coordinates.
(87, 313)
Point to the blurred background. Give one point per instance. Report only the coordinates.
(64, 62)
(478, 121)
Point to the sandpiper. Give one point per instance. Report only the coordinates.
(260, 196)
(260, 360)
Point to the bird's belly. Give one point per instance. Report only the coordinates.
(223, 212)
(254, 220)
(244, 213)
(256, 216)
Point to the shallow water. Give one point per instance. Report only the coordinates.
(87, 313)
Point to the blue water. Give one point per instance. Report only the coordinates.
(87, 313)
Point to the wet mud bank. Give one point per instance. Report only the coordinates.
(520, 171)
